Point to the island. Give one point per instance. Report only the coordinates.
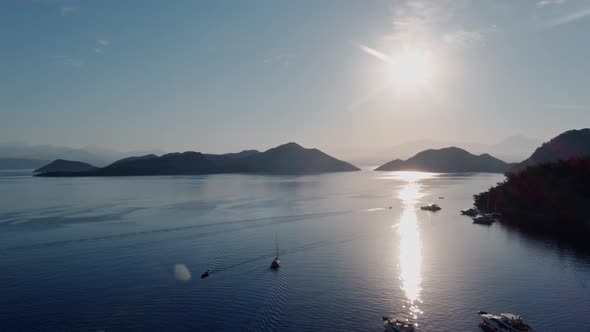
(447, 160)
(290, 158)
(61, 165)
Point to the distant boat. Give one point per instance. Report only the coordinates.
(205, 274)
(430, 207)
(484, 219)
(503, 322)
(276, 263)
(398, 324)
(470, 212)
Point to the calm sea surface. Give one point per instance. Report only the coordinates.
(116, 254)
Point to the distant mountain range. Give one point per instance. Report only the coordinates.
(293, 159)
(572, 143)
(447, 160)
(512, 149)
(289, 158)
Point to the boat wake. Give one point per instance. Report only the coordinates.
(226, 227)
(269, 317)
(232, 256)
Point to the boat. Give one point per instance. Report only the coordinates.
(205, 274)
(430, 207)
(503, 322)
(276, 263)
(484, 219)
(470, 212)
(398, 324)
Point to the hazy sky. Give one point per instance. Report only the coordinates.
(343, 76)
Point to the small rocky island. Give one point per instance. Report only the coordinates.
(447, 160)
(289, 158)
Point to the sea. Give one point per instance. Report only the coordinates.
(127, 253)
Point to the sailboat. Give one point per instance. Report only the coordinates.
(276, 263)
(205, 274)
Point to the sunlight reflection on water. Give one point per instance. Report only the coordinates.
(410, 242)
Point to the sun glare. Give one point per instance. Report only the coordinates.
(412, 69)
(410, 243)
(410, 176)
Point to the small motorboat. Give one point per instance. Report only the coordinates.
(276, 263)
(205, 274)
(484, 219)
(398, 324)
(430, 207)
(503, 322)
(473, 212)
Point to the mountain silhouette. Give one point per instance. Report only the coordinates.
(132, 159)
(169, 164)
(572, 143)
(228, 157)
(289, 158)
(60, 165)
(447, 160)
(514, 148)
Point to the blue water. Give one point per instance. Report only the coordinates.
(116, 254)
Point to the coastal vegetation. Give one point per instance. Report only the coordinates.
(551, 198)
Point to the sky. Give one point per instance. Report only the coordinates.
(348, 77)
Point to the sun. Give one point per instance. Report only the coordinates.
(409, 72)
(412, 69)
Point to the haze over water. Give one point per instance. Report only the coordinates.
(126, 253)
